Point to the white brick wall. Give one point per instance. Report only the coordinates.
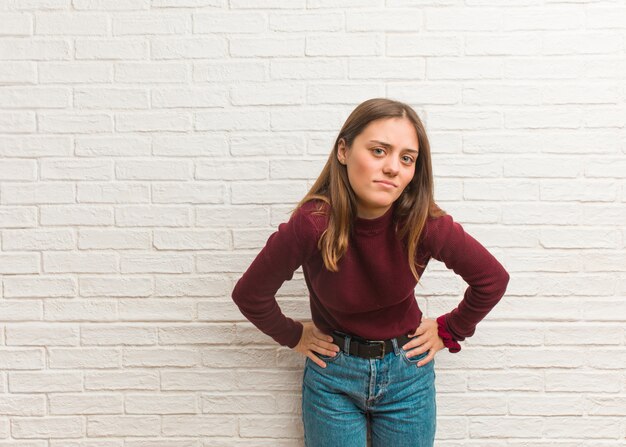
(149, 147)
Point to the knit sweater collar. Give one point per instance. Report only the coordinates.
(369, 227)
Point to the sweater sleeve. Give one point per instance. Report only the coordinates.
(255, 292)
(486, 278)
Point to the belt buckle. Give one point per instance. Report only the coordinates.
(382, 346)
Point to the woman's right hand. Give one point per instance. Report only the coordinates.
(314, 340)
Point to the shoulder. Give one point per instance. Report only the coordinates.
(313, 206)
(438, 220)
(313, 214)
(310, 220)
(437, 229)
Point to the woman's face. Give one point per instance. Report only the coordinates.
(380, 163)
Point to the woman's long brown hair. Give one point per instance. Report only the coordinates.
(413, 207)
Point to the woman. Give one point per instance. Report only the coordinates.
(364, 234)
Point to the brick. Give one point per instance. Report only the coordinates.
(15, 405)
(78, 358)
(198, 47)
(36, 193)
(112, 49)
(45, 382)
(198, 426)
(75, 23)
(160, 403)
(48, 427)
(34, 97)
(122, 380)
(266, 46)
(112, 335)
(35, 146)
(109, 426)
(16, 24)
(31, 49)
(77, 169)
(189, 192)
(86, 403)
(111, 98)
(28, 287)
(79, 310)
(156, 310)
(38, 335)
(18, 73)
(113, 192)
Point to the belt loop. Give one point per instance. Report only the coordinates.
(346, 344)
(396, 348)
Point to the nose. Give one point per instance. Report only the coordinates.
(391, 166)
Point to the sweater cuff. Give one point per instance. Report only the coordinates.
(448, 340)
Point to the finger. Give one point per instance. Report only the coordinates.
(417, 341)
(410, 345)
(322, 336)
(326, 348)
(415, 352)
(426, 359)
(419, 350)
(316, 359)
(420, 329)
(333, 347)
(327, 342)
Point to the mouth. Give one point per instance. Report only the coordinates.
(385, 182)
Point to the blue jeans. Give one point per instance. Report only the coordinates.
(396, 396)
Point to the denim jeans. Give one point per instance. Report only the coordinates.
(393, 393)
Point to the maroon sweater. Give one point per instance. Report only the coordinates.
(372, 294)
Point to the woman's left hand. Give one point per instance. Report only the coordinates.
(427, 340)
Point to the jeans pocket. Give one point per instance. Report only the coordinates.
(328, 358)
(416, 358)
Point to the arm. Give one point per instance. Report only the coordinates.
(486, 278)
(285, 250)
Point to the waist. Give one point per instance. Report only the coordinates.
(369, 349)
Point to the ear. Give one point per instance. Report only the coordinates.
(341, 151)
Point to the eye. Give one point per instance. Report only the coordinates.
(378, 149)
(408, 159)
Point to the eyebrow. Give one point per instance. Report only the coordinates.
(389, 145)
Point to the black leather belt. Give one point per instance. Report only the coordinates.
(369, 349)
